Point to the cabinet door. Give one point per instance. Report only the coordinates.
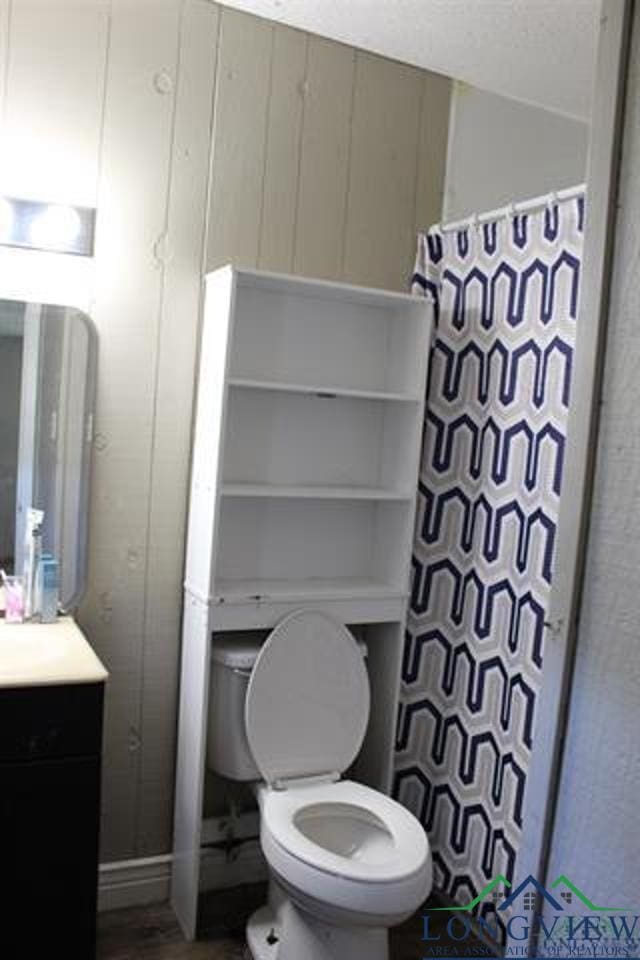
(49, 814)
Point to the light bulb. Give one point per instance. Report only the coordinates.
(58, 228)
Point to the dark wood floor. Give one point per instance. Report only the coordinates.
(151, 933)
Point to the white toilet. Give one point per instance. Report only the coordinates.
(346, 862)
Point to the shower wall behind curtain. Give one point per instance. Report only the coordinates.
(506, 299)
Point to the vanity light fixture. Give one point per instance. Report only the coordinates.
(54, 227)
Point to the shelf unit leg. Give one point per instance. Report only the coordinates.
(190, 770)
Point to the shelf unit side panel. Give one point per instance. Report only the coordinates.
(422, 317)
(406, 352)
(206, 474)
(401, 424)
(190, 763)
(391, 536)
(374, 765)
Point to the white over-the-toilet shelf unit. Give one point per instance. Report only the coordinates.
(305, 464)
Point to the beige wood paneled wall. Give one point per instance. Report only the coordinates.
(325, 159)
(302, 155)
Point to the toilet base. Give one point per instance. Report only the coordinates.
(284, 932)
(260, 930)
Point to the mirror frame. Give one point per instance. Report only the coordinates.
(82, 543)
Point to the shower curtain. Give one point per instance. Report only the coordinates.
(505, 296)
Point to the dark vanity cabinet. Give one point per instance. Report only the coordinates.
(50, 745)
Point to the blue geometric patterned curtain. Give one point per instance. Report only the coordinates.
(506, 296)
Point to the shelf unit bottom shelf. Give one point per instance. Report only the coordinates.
(344, 588)
(259, 491)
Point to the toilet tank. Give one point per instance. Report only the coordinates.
(232, 658)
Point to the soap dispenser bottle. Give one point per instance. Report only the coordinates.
(32, 562)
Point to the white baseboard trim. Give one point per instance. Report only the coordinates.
(134, 883)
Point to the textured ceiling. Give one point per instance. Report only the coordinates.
(539, 51)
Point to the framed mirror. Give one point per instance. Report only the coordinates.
(47, 393)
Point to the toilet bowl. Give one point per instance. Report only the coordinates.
(352, 852)
(346, 862)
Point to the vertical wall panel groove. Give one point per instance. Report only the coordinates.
(284, 125)
(132, 212)
(161, 253)
(266, 139)
(416, 180)
(380, 235)
(432, 155)
(174, 399)
(5, 26)
(103, 101)
(347, 193)
(242, 88)
(299, 147)
(324, 160)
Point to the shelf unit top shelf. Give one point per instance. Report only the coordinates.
(321, 390)
(323, 289)
(312, 492)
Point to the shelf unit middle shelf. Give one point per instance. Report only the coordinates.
(321, 390)
(313, 492)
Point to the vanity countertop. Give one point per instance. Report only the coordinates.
(47, 654)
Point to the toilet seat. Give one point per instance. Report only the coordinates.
(400, 852)
(307, 703)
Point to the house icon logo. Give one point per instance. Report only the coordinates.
(530, 895)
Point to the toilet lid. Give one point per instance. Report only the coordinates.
(307, 704)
